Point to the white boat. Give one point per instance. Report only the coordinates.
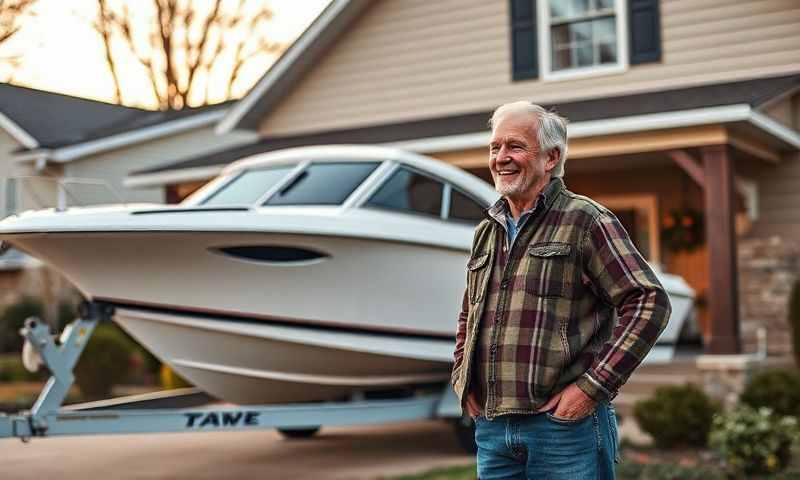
(304, 274)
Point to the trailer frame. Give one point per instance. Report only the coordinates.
(191, 410)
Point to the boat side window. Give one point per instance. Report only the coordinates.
(248, 186)
(409, 191)
(323, 184)
(464, 208)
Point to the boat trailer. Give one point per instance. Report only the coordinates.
(190, 410)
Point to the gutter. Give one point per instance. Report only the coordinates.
(18, 133)
(635, 123)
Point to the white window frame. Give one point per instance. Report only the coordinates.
(543, 29)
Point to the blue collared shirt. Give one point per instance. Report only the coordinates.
(512, 227)
(501, 212)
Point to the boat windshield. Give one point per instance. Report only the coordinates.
(323, 184)
(328, 183)
(248, 186)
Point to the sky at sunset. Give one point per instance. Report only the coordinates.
(61, 52)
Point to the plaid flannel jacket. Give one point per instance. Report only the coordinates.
(572, 301)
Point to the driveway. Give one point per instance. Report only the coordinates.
(335, 453)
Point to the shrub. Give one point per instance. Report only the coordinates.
(12, 370)
(776, 389)
(67, 312)
(13, 318)
(676, 416)
(106, 361)
(753, 441)
(794, 320)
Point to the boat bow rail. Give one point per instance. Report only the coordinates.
(188, 410)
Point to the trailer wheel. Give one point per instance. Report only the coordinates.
(465, 432)
(295, 433)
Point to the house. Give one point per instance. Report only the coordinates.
(685, 119)
(59, 150)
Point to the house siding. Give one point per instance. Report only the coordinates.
(779, 198)
(113, 166)
(413, 59)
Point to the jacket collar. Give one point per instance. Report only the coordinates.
(500, 209)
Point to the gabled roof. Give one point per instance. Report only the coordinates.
(47, 120)
(294, 62)
(716, 103)
(53, 120)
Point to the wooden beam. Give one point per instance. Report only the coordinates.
(652, 141)
(592, 147)
(689, 165)
(721, 239)
(755, 148)
(472, 158)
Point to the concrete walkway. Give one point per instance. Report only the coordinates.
(335, 453)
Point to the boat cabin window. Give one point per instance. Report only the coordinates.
(323, 184)
(409, 191)
(248, 186)
(464, 208)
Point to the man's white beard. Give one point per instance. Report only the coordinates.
(510, 189)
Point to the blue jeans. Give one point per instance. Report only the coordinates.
(545, 447)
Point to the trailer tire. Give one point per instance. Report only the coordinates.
(465, 432)
(296, 433)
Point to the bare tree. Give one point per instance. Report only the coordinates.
(12, 12)
(183, 48)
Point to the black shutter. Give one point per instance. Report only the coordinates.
(644, 27)
(524, 44)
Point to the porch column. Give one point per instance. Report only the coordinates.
(721, 239)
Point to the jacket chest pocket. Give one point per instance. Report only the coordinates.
(477, 277)
(550, 270)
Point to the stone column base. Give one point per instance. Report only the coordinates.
(726, 376)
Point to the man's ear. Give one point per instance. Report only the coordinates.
(553, 156)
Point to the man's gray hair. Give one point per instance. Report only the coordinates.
(551, 128)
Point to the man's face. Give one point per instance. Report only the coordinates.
(514, 158)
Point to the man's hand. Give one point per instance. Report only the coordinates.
(473, 407)
(570, 404)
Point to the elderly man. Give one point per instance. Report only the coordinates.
(559, 310)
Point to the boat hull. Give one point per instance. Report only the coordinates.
(360, 284)
(258, 363)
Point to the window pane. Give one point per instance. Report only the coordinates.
(608, 52)
(581, 32)
(323, 184)
(584, 56)
(248, 186)
(464, 208)
(604, 4)
(578, 7)
(558, 9)
(409, 191)
(605, 29)
(560, 36)
(583, 44)
(566, 9)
